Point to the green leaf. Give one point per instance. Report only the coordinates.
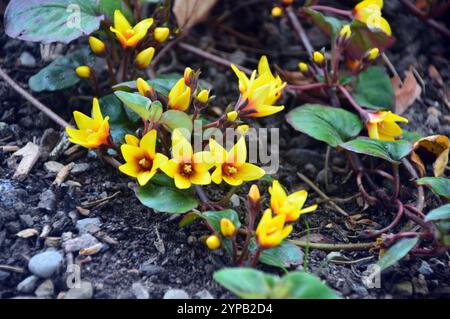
(163, 180)
(374, 89)
(397, 252)
(246, 283)
(138, 103)
(161, 84)
(49, 21)
(120, 124)
(107, 7)
(189, 218)
(213, 218)
(173, 119)
(60, 74)
(284, 256)
(329, 25)
(327, 124)
(301, 285)
(166, 199)
(392, 151)
(411, 136)
(438, 185)
(440, 213)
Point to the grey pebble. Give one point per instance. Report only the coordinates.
(46, 289)
(28, 285)
(45, 264)
(425, 268)
(204, 294)
(26, 59)
(139, 291)
(84, 291)
(83, 241)
(176, 294)
(83, 225)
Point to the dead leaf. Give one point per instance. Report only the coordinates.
(30, 154)
(27, 233)
(431, 149)
(406, 94)
(190, 12)
(435, 75)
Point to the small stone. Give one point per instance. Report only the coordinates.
(27, 60)
(420, 286)
(150, 270)
(84, 291)
(78, 243)
(85, 225)
(28, 285)
(45, 264)
(235, 201)
(204, 294)
(47, 200)
(80, 168)
(425, 268)
(46, 289)
(140, 291)
(404, 289)
(53, 167)
(4, 275)
(26, 220)
(176, 294)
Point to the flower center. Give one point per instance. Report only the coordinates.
(229, 170)
(129, 33)
(186, 169)
(145, 163)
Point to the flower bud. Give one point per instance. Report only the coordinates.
(84, 72)
(213, 242)
(187, 75)
(304, 68)
(318, 58)
(97, 45)
(254, 194)
(227, 227)
(143, 87)
(203, 96)
(242, 129)
(345, 32)
(161, 34)
(232, 116)
(373, 54)
(144, 58)
(276, 12)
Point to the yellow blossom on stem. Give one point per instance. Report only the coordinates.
(232, 116)
(272, 230)
(142, 161)
(383, 125)
(277, 11)
(231, 166)
(144, 58)
(213, 242)
(203, 96)
(318, 58)
(261, 92)
(127, 35)
(372, 54)
(143, 87)
(187, 167)
(242, 129)
(254, 194)
(180, 94)
(289, 205)
(161, 34)
(227, 227)
(369, 12)
(84, 71)
(92, 132)
(345, 32)
(97, 45)
(304, 68)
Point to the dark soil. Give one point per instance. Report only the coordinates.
(148, 247)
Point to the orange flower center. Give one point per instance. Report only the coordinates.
(145, 163)
(229, 170)
(128, 33)
(186, 169)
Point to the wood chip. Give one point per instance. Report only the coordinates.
(83, 211)
(27, 233)
(9, 148)
(30, 154)
(91, 250)
(63, 173)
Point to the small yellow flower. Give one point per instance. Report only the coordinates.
(232, 116)
(185, 167)
(142, 161)
(231, 166)
(213, 242)
(369, 12)
(272, 230)
(97, 45)
(203, 96)
(345, 32)
(289, 205)
(242, 129)
(318, 58)
(254, 194)
(161, 34)
(92, 132)
(143, 87)
(304, 68)
(127, 35)
(372, 54)
(144, 58)
(180, 94)
(383, 125)
(84, 72)
(227, 227)
(277, 11)
(262, 92)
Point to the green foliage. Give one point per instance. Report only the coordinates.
(173, 119)
(440, 213)
(392, 151)
(438, 185)
(213, 218)
(107, 7)
(138, 103)
(397, 252)
(120, 123)
(284, 256)
(162, 84)
(329, 25)
(325, 123)
(374, 89)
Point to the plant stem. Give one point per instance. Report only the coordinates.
(327, 9)
(394, 223)
(306, 87)
(300, 31)
(256, 256)
(227, 197)
(420, 191)
(334, 247)
(396, 183)
(363, 113)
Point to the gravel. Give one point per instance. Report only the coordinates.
(45, 264)
(176, 294)
(28, 285)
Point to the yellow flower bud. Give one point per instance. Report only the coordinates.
(143, 87)
(203, 96)
(345, 32)
(254, 194)
(213, 242)
(161, 34)
(232, 116)
(373, 54)
(318, 58)
(304, 68)
(187, 74)
(276, 12)
(242, 129)
(97, 45)
(227, 227)
(84, 72)
(144, 58)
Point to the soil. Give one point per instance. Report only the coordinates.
(143, 246)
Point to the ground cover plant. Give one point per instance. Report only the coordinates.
(189, 152)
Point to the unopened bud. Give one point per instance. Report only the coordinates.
(97, 45)
(345, 32)
(161, 34)
(232, 116)
(318, 58)
(203, 96)
(213, 242)
(84, 72)
(242, 129)
(254, 194)
(276, 12)
(144, 58)
(227, 227)
(373, 54)
(304, 68)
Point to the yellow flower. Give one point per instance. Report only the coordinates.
(232, 116)
(242, 129)
(144, 88)
(289, 205)
(92, 132)
(97, 45)
(271, 230)
(185, 167)
(127, 35)
(213, 242)
(144, 58)
(227, 227)
(304, 68)
(203, 96)
(372, 54)
(345, 32)
(231, 166)
(180, 94)
(262, 92)
(383, 125)
(369, 12)
(83, 72)
(142, 161)
(277, 11)
(318, 58)
(253, 193)
(161, 34)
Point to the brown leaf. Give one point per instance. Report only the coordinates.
(405, 94)
(432, 149)
(435, 75)
(191, 12)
